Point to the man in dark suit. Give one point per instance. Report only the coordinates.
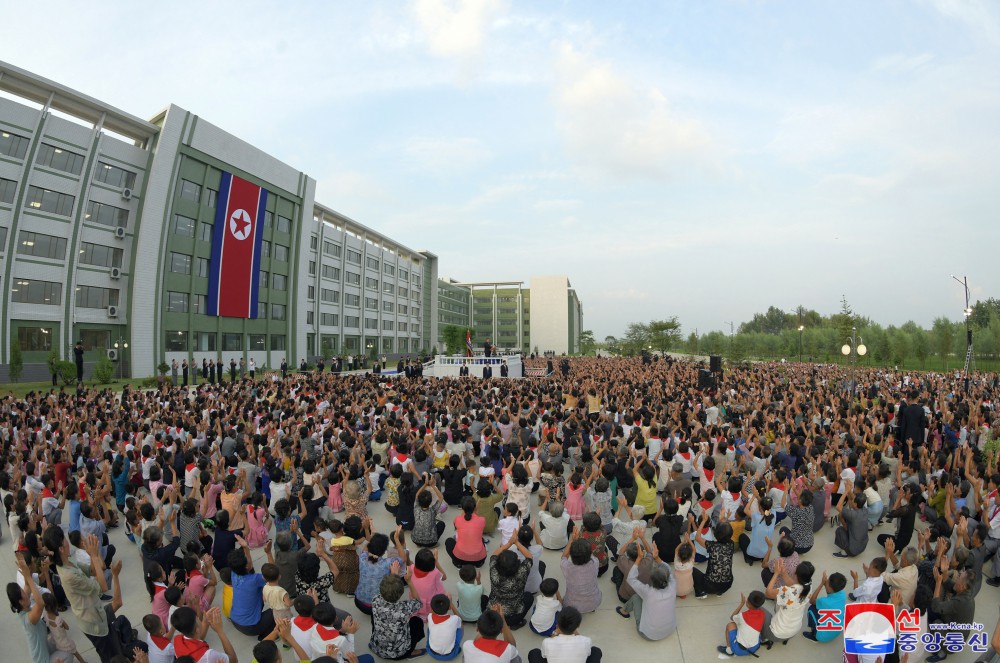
(487, 371)
(504, 371)
(284, 368)
(487, 348)
(913, 424)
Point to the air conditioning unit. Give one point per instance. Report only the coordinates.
(127, 193)
(120, 232)
(116, 273)
(113, 354)
(112, 311)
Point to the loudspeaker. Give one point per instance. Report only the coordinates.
(706, 380)
(715, 363)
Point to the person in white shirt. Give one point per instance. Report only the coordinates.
(567, 645)
(444, 629)
(509, 524)
(547, 606)
(870, 588)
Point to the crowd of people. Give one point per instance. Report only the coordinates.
(255, 506)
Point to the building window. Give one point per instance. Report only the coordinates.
(201, 267)
(262, 280)
(371, 323)
(177, 302)
(388, 288)
(50, 201)
(310, 292)
(268, 218)
(277, 311)
(386, 345)
(200, 304)
(205, 231)
(190, 191)
(313, 242)
(232, 342)
(106, 215)
(387, 325)
(34, 339)
(312, 268)
(331, 249)
(310, 318)
(89, 296)
(372, 263)
(280, 253)
(371, 303)
(279, 281)
(60, 159)
(284, 224)
(203, 341)
(8, 189)
(180, 263)
(370, 283)
(414, 311)
(177, 341)
(277, 341)
(265, 248)
(329, 296)
(353, 256)
(211, 197)
(12, 145)
(353, 279)
(95, 339)
(257, 342)
(388, 307)
(329, 319)
(404, 275)
(352, 321)
(403, 292)
(402, 326)
(100, 255)
(415, 328)
(352, 300)
(389, 269)
(183, 225)
(329, 342)
(41, 246)
(330, 272)
(114, 176)
(36, 292)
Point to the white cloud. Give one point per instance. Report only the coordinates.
(456, 28)
(980, 16)
(617, 128)
(899, 63)
(446, 155)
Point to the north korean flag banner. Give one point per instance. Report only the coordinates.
(234, 270)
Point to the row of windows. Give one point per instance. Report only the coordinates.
(114, 176)
(182, 341)
(184, 226)
(60, 159)
(36, 292)
(192, 191)
(89, 296)
(12, 145)
(41, 246)
(107, 215)
(180, 302)
(50, 201)
(100, 255)
(8, 189)
(39, 339)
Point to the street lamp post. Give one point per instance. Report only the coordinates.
(801, 329)
(855, 347)
(968, 328)
(121, 345)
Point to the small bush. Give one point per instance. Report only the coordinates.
(66, 372)
(16, 366)
(104, 370)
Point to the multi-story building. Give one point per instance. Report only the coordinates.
(545, 317)
(106, 227)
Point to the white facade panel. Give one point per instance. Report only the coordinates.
(550, 314)
(212, 140)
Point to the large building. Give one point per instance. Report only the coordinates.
(106, 226)
(545, 316)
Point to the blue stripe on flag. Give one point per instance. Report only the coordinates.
(218, 237)
(258, 237)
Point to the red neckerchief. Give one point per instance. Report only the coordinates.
(158, 587)
(417, 573)
(490, 646)
(160, 642)
(439, 619)
(327, 633)
(184, 646)
(709, 474)
(304, 623)
(46, 492)
(735, 495)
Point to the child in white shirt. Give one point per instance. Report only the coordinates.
(509, 524)
(869, 590)
(547, 607)
(444, 629)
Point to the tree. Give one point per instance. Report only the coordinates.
(66, 370)
(943, 333)
(636, 338)
(454, 339)
(691, 345)
(921, 346)
(16, 366)
(587, 342)
(981, 312)
(844, 321)
(664, 334)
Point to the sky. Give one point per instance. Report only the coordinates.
(697, 159)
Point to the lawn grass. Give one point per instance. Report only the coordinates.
(20, 389)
